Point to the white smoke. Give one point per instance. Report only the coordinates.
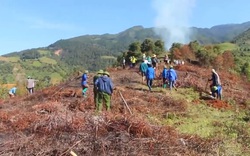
(172, 20)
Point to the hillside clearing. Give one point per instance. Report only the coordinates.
(57, 119)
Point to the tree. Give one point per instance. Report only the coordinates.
(187, 53)
(194, 45)
(147, 46)
(174, 51)
(159, 47)
(135, 47)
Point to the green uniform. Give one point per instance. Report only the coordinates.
(95, 89)
(103, 96)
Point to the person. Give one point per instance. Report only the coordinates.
(164, 77)
(148, 58)
(104, 91)
(166, 59)
(123, 62)
(12, 92)
(217, 92)
(30, 85)
(143, 69)
(154, 61)
(172, 77)
(143, 56)
(215, 79)
(216, 83)
(133, 61)
(150, 75)
(98, 74)
(84, 83)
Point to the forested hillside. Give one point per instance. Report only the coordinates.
(219, 33)
(56, 62)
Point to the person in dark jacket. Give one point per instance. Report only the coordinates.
(164, 77)
(172, 77)
(215, 86)
(143, 69)
(154, 61)
(105, 89)
(215, 79)
(84, 82)
(150, 75)
(98, 74)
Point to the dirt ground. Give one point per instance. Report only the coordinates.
(58, 120)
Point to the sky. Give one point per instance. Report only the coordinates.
(27, 24)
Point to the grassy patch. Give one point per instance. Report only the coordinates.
(227, 46)
(14, 59)
(108, 57)
(43, 52)
(4, 59)
(47, 60)
(36, 64)
(9, 59)
(208, 122)
(55, 78)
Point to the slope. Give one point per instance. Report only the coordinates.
(57, 120)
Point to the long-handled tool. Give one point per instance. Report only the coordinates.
(125, 103)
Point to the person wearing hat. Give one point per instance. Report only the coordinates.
(164, 77)
(143, 69)
(98, 74)
(105, 89)
(30, 85)
(215, 79)
(84, 82)
(154, 61)
(172, 77)
(150, 75)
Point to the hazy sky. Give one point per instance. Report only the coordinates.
(27, 24)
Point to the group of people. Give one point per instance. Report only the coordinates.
(103, 85)
(103, 88)
(147, 70)
(30, 85)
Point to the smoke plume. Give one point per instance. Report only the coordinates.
(172, 20)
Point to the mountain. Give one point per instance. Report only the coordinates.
(219, 33)
(243, 40)
(94, 52)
